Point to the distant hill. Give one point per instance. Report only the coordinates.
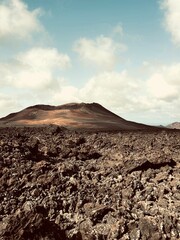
(175, 125)
(72, 115)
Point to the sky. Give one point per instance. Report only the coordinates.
(123, 54)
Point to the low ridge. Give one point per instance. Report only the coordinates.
(174, 125)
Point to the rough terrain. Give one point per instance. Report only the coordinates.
(62, 184)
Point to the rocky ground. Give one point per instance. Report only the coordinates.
(61, 184)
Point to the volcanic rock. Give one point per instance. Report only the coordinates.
(62, 184)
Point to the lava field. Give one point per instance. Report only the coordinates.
(73, 185)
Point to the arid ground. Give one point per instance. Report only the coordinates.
(85, 185)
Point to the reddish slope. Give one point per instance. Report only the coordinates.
(73, 115)
(175, 125)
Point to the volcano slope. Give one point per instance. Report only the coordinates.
(69, 185)
(73, 116)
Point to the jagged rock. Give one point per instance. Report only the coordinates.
(30, 224)
(61, 184)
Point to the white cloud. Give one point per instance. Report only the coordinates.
(5, 101)
(44, 58)
(160, 88)
(8, 104)
(67, 94)
(118, 29)
(172, 18)
(164, 83)
(102, 52)
(16, 21)
(111, 89)
(34, 69)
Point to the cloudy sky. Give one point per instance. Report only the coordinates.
(122, 54)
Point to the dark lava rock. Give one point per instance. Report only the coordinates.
(61, 184)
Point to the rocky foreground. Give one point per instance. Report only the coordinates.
(60, 184)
